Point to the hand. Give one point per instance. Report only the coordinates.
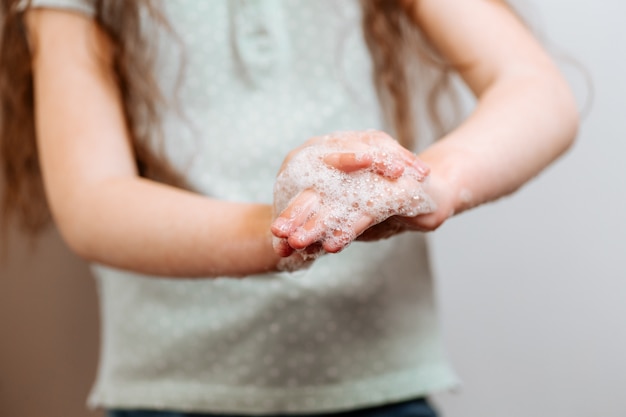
(337, 192)
(369, 149)
(442, 195)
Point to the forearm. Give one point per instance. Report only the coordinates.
(519, 126)
(105, 212)
(143, 226)
(526, 115)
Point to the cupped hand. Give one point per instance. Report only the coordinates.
(334, 188)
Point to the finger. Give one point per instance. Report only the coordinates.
(384, 230)
(409, 159)
(303, 206)
(389, 168)
(381, 163)
(342, 238)
(395, 166)
(281, 247)
(420, 166)
(307, 234)
(348, 161)
(424, 222)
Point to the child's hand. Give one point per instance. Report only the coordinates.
(369, 149)
(333, 188)
(442, 196)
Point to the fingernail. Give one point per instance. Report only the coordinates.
(281, 225)
(331, 160)
(362, 157)
(422, 168)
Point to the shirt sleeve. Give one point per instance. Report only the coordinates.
(86, 7)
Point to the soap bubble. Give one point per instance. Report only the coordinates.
(378, 191)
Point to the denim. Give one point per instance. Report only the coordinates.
(413, 408)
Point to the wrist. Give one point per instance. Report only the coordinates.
(254, 253)
(448, 180)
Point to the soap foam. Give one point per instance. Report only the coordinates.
(346, 197)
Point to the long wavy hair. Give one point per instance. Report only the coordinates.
(394, 42)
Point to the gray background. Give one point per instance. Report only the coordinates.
(532, 288)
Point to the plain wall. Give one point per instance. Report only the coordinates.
(48, 330)
(532, 288)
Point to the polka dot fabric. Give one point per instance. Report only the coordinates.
(357, 329)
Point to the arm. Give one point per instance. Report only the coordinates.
(525, 118)
(105, 212)
(526, 115)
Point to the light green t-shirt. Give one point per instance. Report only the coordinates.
(358, 328)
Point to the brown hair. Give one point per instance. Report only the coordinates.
(412, 79)
(387, 30)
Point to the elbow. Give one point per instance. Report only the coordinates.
(76, 234)
(76, 225)
(88, 220)
(569, 117)
(560, 114)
